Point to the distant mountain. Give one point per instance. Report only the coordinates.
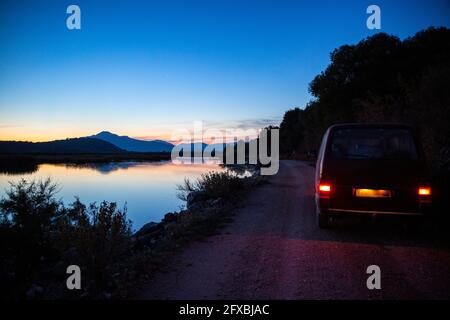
(78, 145)
(104, 142)
(134, 145)
(218, 147)
(189, 147)
(214, 147)
(221, 147)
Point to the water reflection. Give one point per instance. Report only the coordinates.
(9, 168)
(104, 168)
(148, 188)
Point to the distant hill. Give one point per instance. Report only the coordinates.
(189, 147)
(103, 142)
(214, 147)
(78, 145)
(134, 145)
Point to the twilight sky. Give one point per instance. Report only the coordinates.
(144, 68)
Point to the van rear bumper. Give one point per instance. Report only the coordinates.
(420, 209)
(369, 212)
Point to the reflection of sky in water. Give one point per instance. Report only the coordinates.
(148, 188)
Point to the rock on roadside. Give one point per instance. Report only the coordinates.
(195, 197)
(147, 228)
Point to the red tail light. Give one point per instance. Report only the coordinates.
(324, 190)
(424, 191)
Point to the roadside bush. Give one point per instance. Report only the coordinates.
(95, 237)
(38, 232)
(213, 184)
(28, 215)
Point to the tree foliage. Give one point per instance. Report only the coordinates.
(380, 79)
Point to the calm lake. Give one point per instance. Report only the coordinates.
(148, 188)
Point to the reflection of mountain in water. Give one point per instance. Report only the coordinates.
(11, 168)
(20, 168)
(108, 167)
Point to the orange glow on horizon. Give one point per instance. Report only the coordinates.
(43, 132)
(51, 136)
(45, 137)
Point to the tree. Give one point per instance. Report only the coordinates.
(380, 79)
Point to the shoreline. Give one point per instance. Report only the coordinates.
(159, 241)
(39, 158)
(26, 163)
(133, 256)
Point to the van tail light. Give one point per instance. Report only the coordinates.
(424, 191)
(424, 194)
(324, 189)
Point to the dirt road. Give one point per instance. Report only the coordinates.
(274, 250)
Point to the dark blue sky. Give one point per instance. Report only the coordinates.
(144, 68)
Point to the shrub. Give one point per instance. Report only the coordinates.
(98, 236)
(214, 184)
(27, 216)
(38, 232)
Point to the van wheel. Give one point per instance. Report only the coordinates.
(323, 221)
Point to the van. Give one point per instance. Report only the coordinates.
(370, 169)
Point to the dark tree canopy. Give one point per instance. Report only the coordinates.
(380, 79)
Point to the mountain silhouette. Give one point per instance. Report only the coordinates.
(213, 148)
(77, 145)
(133, 145)
(103, 142)
(189, 148)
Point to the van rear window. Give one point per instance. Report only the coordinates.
(373, 143)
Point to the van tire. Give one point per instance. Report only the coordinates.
(323, 220)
